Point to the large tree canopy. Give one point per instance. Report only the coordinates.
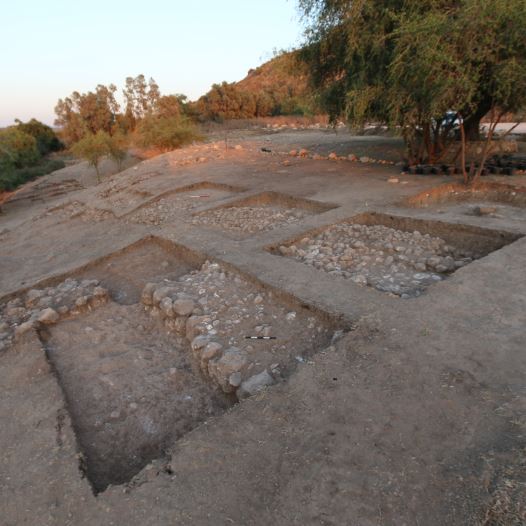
(408, 62)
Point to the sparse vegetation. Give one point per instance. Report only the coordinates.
(165, 133)
(93, 147)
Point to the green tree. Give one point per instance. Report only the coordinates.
(18, 148)
(47, 140)
(93, 148)
(117, 145)
(165, 133)
(407, 62)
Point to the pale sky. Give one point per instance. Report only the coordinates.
(50, 48)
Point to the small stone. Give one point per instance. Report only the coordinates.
(161, 293)
(235, 379)
(100, 292)
(147, 293)
(48, 316)
(199, 343)
(365, 159)
(393, 180)
(333, 156)
(195, 325)
(258, 299)
(82, 301)
(290, 316)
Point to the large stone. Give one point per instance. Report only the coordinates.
(183, 307)
(33, 296)
(48, 316)
(198, 344)
(166, 307)
(233, 360)
(210, 352)
(254, 384)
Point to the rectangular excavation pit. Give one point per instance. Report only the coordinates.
(498, 200)
(258, 213)
(138, 376)
(171, 205)
(397, 255)
(125, 272)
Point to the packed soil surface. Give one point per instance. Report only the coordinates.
(130, 393)
(130, 389)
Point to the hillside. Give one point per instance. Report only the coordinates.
(278, 87)
(283, 74)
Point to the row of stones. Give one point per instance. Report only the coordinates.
(48, 306)
(226, 367)
(333, 156)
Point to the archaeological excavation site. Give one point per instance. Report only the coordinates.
(249, 335)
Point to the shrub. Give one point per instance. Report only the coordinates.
(117, 145)
(47, 140)
(11, 178)
(18, 147)
(165, 133)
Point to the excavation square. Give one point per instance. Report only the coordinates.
(124, 273)
(259, 213)
(139, 374)
(483, 200)
(172, 206)
(130, 387)
(396, 255)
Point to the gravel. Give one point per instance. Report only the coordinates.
(249, 219)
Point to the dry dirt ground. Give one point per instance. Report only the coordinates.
(131, 395)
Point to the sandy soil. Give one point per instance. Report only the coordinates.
(415, 415)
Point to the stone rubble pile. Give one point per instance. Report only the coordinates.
(249, 219)
(215, 310)
(48, 306)
(76, 209)
(390, 260)
(168, 209)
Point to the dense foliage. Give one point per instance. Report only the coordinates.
(407, 63)
(278, 87)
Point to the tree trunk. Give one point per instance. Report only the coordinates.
(472, 121)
